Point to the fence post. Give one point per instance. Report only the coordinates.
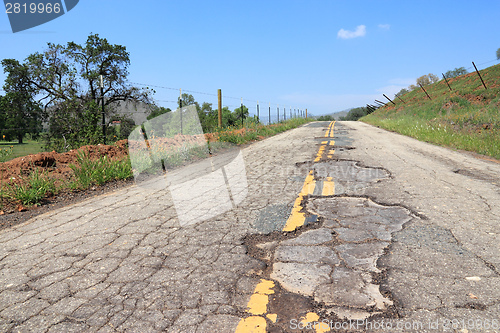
(401, 99)
(242, 115)
(258, 118)
(479, 75)
(425, 91)
(269, 122)
(389, 99)
(446, 80)
(180, 106)
(101, 84)
(219, 97)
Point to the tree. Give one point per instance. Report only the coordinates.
(68, 78)
(455, 72)
(401, 92)
(355, 114)
(498, 54)
(21, 113)
(241, 113)
(188, 99)
(428, 79)
(156, 111)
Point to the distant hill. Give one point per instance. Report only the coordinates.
(337, 115)
(466, 117)
(138, 111)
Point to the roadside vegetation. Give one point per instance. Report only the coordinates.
(70, 108)
(467, 117)
(37, 185)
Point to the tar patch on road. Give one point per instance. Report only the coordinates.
(323, 261)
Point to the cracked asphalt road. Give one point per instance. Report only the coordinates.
(122, 262)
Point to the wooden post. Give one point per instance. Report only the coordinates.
(306, 113)
(446, 80)
(389, 99)
(219, 97)
(479, 75)
(425, 91)
(401, 99)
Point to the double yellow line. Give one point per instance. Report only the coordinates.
(297, 218)
(257, 305)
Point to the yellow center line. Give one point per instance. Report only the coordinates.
(257, 305)
(328, 187)
(318, 326)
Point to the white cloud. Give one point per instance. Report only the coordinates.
(346, 34)
(384, 26)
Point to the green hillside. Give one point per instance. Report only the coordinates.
(468, 117)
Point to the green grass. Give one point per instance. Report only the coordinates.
(253, 132)
(23, 149)
(90, 172)
(466, 118)
(32, 190)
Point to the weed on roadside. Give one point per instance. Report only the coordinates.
(98, 171)
(32, 189)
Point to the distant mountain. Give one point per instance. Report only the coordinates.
(337, 115)
(138, 111)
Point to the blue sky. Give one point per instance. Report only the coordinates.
(321, 55)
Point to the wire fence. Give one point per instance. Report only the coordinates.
(400, 99)
(266, 112)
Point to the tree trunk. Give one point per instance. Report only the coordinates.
(20, 138)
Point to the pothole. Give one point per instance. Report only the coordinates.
(333, 263)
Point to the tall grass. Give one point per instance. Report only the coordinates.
(254, 131)
(466, 118)
(32, 189)
(98, 171)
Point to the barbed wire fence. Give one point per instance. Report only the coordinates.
(266, 112)
(378, 104)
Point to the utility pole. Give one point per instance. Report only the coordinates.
(102, 105)
(278, 109)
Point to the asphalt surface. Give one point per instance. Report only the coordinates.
(341, 227)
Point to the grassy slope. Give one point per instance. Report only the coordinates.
(466, 118)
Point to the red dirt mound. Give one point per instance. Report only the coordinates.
(56, 164)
